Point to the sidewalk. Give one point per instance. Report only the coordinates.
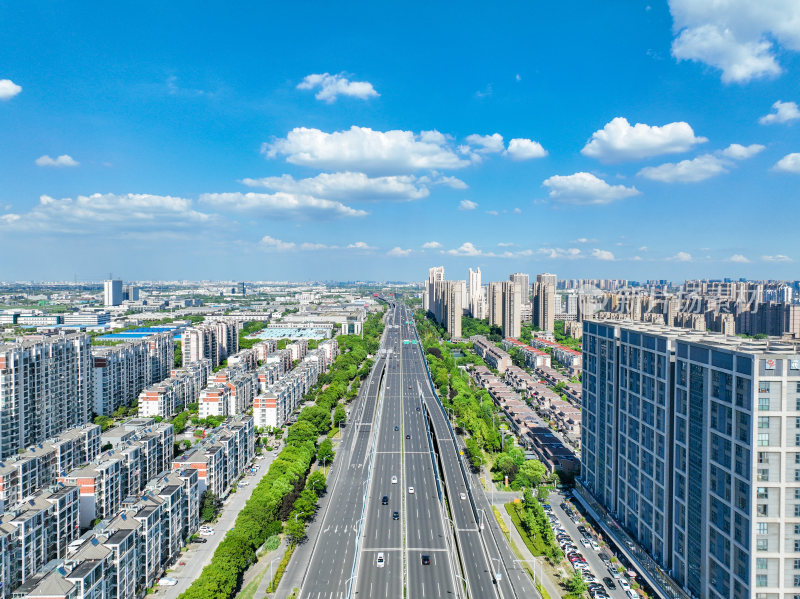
(272, 558)
(546, 581)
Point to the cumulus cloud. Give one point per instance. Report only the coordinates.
(431, 245)
(525, 149)
(467, 205)
(603, 255)
(367, 150)
(681, 257)
(398, 251)
(486, 144)
(686, 171)
(359, 245)
(740, 152)
(568, 253)
(110, 212)
(277, 244)
(281, 205)
(347, 186)
(739, 37)
(782, 112)
(466, 249)
(333, 86)
(789, 164)
(776, 258)
(739, 258)
(619, 141)
(8, 89)
(585, 188)
(65, 160)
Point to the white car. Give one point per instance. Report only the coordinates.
(243, 483)
(207, 532)
(167, 582)
(411, 490)
(595, 545)
(463, 496)
(624, 584)
(380, 562)
(394, 480)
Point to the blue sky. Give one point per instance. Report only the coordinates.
(365, 140)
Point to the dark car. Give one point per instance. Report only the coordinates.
(417, 408)
(201, 540)
(397, 428)
(409, 386)
(395, 515)
(609, 582)
(385, 500)
(426, 559)
(408, 436)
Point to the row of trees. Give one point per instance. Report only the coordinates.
(536, 525)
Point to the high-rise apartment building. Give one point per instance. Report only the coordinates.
(692, 441)
(524, 282)
(475, 293)
(45, 388)
(446, 305)
(544, 302)
(547, 278)
(130, 293)
(494, 303)
(512, 309)
(215, 340)
(112, 292)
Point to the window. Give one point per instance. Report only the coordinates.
(761, 580)
(761, 563)
(763, 403)
(763, 387)
(797, 546)
(762, 492)
(797, 476)
(762, 457)
(763, 439)
(797, 493)
(763, 474)
(797, 440)
(797, 530)
(763, 528)
(761, 545)
(797, 511)
(797, 458)
(763, 422)
(762, 510)
(796, 581)
(797, 422)
(797, 404)
(796, 565)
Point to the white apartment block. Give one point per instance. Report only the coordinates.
(45, 388)
(215, 340)
(692, 441)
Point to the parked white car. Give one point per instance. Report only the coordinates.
(167, 582)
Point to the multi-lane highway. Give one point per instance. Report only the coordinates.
(425, 543)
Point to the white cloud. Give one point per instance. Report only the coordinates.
(364, 149)
(776, 258)
(312, 246)
(486, 144)
(618, 141)
(517, 211)
(452, 182)
(739, 37)
(492, 213)
(360, 245)
(569, 253)
(585, 188)
(789, 163)
(686, 171)
(8, 89)
(582, 240)
(108, 212)
(466, 249)
(603, 255)
(398, 251)
(280, 205)
(431, 245)
(525, 149)
(783, 112)
(333, 86)
(643, 248)
(505, 244)
(348, 186)
(277, 244)
(739, 258)
(61, 161)
(467, 205)
(681, 257)
(740, 152)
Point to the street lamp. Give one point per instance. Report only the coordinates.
(535, 562)
(483, 516)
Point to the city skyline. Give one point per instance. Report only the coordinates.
(557, 142)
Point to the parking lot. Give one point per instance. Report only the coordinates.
(585, 551)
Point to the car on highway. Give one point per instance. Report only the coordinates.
(411, 490)
(426, 559)
(380, 562)
(385, 500)
(417, 408)
(394, 480)
(408, 436)
(395, 515)
(167, 582)
(397, 428)
(463, 496)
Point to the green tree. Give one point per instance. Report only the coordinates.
(576, 585)
(531, 473)
(104, 422)
(339, 415)
(474, 454)
(317, 482)
(209, 506)
(325, 452)
(295, 530)
(318, 416)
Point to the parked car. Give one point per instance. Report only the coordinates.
(167, 582)
(609, 582)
